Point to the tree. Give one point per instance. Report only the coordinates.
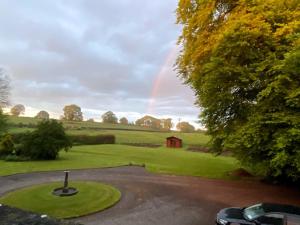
(124, 121)
(17, 110)
(185, 127)
(149, 121)
(242, 59)
(167, 124)
(72, 113)
(42, 115)
(90, 120)
(109, 117)
(6, 145)
(46, 141)
(3, 123)
(4, 88)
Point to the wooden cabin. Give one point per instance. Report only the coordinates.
(173, 142)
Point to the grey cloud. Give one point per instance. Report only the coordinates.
(98, 54)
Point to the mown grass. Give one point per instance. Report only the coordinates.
(15, 121)
(124, 137)
(122, 133)
(92, 197)
(158, 160)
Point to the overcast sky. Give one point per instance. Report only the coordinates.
(102, 55)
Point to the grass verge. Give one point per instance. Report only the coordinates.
(92, 197)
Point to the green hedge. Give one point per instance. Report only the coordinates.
(77, 139)
(92, 140)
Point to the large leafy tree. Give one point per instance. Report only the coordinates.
(42, 115)
(4, 98)
(242, 58)
(185, 127)
(46, 141)
(17, 110)
(109, 117)
(72, 113)
(4, 88)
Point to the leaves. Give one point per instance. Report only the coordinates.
(242, 58)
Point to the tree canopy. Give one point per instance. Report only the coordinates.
(42, 115)
(17, 110)
(72, 113)
(124, 121)
(109, 117)
(46, 141)
(185, 127)
(242, 58)
(4, 88)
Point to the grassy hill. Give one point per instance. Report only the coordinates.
(125, 134)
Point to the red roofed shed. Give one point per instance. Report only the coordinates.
(173, 142)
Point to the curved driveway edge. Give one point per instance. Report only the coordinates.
(152, 199)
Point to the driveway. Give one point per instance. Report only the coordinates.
(149, 199)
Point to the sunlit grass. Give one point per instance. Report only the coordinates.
(92, 197)
(159, 160)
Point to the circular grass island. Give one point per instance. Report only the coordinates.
(91, 197)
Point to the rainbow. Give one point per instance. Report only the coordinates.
(157, 84)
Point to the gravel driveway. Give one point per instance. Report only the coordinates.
(149, 199)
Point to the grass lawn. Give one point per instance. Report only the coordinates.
(92, 197)
(159, 160)
(123, 136)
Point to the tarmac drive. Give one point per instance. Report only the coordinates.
(149, 199)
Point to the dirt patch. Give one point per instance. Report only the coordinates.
(242, 173)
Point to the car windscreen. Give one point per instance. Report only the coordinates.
(254, 212)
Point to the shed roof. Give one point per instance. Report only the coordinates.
(173, 137)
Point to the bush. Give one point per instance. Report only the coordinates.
(93, 140)
(6, 145)
(46, 141)
(15, 158)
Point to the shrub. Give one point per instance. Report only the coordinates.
(16, 158)
(93, 140)
(6, 145)
(46, 141)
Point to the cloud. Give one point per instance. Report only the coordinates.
(101, 55)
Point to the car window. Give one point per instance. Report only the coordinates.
(254, 212)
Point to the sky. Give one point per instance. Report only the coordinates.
(102, 55)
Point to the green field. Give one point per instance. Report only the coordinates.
(91, 197)
(122, 133)
(158, 160)
(14, 121)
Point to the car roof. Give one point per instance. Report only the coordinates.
(281, 208)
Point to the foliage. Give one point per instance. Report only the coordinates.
(92, 140)
(166, 124)
(46, 141)
(109, 117)
(72, 113)
(4, 88)
(91, 120)
(3, 122)
(124, 121)
(185, 127)
(6, 145)
(42, 115)
(149, 121)
(242, 59)
(17, 110)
